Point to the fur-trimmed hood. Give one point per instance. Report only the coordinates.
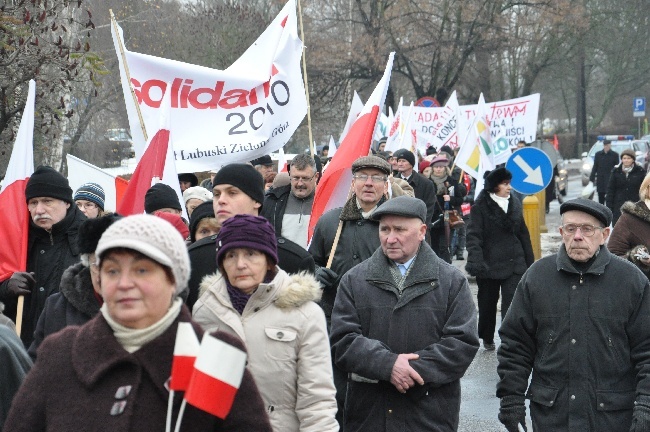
(289, 291)
(638, 209)
(77, 287)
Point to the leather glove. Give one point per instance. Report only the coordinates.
(327, 278)
(641, 415)
(513, 413)
(21, 283)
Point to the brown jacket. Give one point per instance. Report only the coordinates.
(80, 378)
(632, 230)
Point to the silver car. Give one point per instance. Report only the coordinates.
(641, 148)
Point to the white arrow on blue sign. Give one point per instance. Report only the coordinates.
(531, 170)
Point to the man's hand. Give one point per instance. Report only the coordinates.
(21, 283)
(327, 278)
(513, 413)
(641, 415)
(403, 376)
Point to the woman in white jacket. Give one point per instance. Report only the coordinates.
(276, 316)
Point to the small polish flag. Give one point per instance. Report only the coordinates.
(218, 372)
(185, 351)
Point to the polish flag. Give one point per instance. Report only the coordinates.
(185, 351)
(218, 372)
(332, 190)
(156, 165)
(556, 143)
(282, 161)
(80, 171)
(13, 208)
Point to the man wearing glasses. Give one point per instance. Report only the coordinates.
(580, 321)
(288, 208)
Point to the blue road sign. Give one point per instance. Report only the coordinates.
(531, 170)
(639, 107)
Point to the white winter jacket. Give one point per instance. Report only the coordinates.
(288, 347)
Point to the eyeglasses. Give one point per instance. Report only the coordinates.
(303, 179)
(587, 230)
(86, 205)
(375, 178)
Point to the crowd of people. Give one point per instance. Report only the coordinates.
(365, 326)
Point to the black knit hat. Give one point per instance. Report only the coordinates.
(244, 177)
(48, 182)
(91, 230)
(202, 211)
(189, 177)
(406, 155)
(495, 177)
(161, 196)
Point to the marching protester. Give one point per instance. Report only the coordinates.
(499, 250)
(423, 188)
(187, 180)
(195, 196)
(263, 164)
(404, 328)
(161, 197)
(203, 223)
(448, 194)
(288, 208)
(89, 198)
(276, 316)
(604, 161)
(624, 183)
(79, 297)
(239, 189)
(116, 366)
(630, 238)
(579, 320)
(52, 240)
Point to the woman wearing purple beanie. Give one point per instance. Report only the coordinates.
(276, 316)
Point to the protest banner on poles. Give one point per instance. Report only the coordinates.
(220, 116)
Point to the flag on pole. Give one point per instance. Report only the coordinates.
(13, 207)
(395, 133)
(79, 171)
(218, 372)
(156, 165)
(556, 142)
(332, 190)
(355, 108)
(476, 154)
(185, 351)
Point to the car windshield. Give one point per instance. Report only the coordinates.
(617, 146)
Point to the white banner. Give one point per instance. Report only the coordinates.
(512, 119)
(222, 116)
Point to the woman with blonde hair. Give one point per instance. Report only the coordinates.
(631, 236)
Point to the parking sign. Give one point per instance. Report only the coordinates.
(639, 107)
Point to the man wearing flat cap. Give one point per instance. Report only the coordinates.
(579, 320)
(404, 328)
(52, 247)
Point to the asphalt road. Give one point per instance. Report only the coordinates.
(479, 405)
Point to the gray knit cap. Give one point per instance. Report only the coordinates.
(153, 237)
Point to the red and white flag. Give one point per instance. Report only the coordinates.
(13, 208)
(332, 190)
(80, 172)
(218, 372)
(156, 165)
(186, 350)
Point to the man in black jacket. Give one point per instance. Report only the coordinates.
(52, 247)
(604, 161)
(238, 189)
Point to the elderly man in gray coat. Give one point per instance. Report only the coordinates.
(404, 328)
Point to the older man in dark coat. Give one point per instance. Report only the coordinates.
(579, 320)
(404, 328)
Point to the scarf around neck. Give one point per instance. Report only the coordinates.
(501, 201)
(440, 184)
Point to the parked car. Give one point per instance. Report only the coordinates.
(641, 148)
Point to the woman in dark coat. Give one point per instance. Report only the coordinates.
(447, 190)
(624, 183)
(499, 250)
(111, 374)
(631, 235)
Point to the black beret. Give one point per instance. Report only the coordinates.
(597, 210)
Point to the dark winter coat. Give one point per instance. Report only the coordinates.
(48, 255)
(498, 244)
(424, 190)
(81, 371)
(631, 231)
(203, 262)
(74, 304)
(15, 365)
(622, 188)
(585, 337)
(275, 204)
(603, 165)
(359, 239)
(434, 316)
